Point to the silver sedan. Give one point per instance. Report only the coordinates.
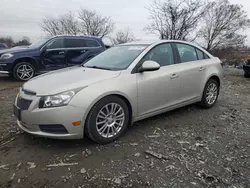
(124, 84)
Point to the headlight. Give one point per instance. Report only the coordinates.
(6, 56)
(57, 100)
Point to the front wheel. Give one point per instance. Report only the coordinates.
(210, 94)
(107, 120)
(23, 71)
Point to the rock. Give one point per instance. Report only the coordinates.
(73, 155)
(4, 167)
(156, 155)
(137, 154)
(31, 165)
(19, 180)
(154, 136)
(118, 181)
(183, 142)
(18, 166)
(83, 171)
(134, 144)
(88, 152)
(199, 145)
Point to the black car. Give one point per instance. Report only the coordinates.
(246, 68)
(48, 55)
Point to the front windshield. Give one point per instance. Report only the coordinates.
(115, 58)
(39, 43)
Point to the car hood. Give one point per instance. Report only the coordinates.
(67, 79)
(17, 50)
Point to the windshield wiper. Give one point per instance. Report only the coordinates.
(96, 67)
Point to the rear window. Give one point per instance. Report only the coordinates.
(91, 43)
(75, 43)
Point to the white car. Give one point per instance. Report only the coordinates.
(124, 84)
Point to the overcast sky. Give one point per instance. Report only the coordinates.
(22, 17)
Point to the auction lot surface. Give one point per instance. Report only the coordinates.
(188, 147)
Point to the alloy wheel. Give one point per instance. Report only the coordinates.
(110, 120)
(211, 93)
(25, 72)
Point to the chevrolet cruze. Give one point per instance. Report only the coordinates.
(124, 84)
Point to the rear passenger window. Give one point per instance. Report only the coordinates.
(75, 43)
(91, 43)
(187, 53)
(200, 54)
(206, 56)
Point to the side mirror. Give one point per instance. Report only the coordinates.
(149, 66)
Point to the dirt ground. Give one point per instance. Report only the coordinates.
(188, 147)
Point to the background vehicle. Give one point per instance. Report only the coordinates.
(246, 68)
(48, 55)
(3, 46)
(122, 85)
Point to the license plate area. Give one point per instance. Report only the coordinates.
(17, 112)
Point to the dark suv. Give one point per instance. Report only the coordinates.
(3, 46)
(48, 55)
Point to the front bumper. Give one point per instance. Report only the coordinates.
(5, 67)
(33, 118)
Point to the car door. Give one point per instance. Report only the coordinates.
(53, 54)
(158, 89)
(191, 71)
(80, 49)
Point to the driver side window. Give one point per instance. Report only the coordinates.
(55, 44)
(161, 54)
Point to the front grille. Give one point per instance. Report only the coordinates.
(23, 104)
(53, 129)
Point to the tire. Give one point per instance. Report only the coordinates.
(246, 75)
(23, 71)
(205, 103)
(108, 124)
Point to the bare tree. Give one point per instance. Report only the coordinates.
(175, 19)
(7, 40)
(63, 25)
(124, 36)
(223, 25)
(94, 24)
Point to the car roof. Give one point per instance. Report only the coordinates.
(155, 42)
(150, 42)
(142, 42)
(81, 36)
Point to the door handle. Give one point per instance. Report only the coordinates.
(61, 53)
(83, 51)
(201, 68)
(174, 76)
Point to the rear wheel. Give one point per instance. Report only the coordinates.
(107, 120)
(210, 94)
(23, 71)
